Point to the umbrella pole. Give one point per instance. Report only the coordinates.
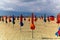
(58, 24)
(32, 33)
(44, 24)
(13, 25)
(20, 28)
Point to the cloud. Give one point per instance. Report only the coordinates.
(57, 7)
(8, 9)
(28, 0)
(30, 5)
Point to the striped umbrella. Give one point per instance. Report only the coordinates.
(10, 18)
(58, 32)
(2, 18)
(6, 19)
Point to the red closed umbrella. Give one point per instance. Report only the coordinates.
(59, 32)
(10, 18)
(48, 19)
(51, 18)
(21, 21)
(32, 24)
(21, 18)
(58, 18)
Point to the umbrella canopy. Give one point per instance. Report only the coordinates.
(17, 17)
(13, 19)
(58, 32)
(48, 19)
(24, 19)
(41, 17)
(6, 19)
(0, 18)
(44, 17)
(32, 22)
(35, 18)
(51, 18)
(21, 20)
(10, 18)
(58, 18)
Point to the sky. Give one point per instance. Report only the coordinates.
(35, 6)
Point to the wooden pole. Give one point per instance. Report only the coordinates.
(32, 34)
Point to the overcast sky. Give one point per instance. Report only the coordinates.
(52, 6)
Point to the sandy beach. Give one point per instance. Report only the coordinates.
(43, 31)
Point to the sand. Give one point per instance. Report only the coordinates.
(43, 31)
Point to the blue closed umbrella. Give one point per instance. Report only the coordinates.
(44, 17)
(21, 24)
(13, 19)
(56, 34)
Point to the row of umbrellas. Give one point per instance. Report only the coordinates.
(33, 19)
